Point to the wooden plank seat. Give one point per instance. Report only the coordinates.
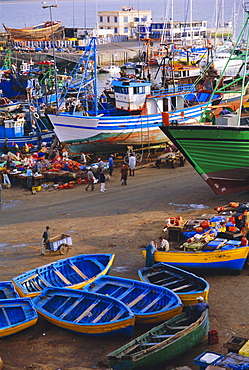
(62, 307)
(119, 314)
(182, 280)
(101, 266)
(163, 336)
(65, 313)
(62, 277)
(6, 316)
(87, 311)
(127, 292)
(102, 313)
(79, 272)
(151, 304)
(181, 287)
(139, 298)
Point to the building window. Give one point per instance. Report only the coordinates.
(115, 19)
(125, 19)
(136, 19)
(125, 29)
(101, 19)
(115, 30)
(108, 19)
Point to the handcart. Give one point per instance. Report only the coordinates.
(60, 243)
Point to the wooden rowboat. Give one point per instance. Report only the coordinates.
(186, 285)
(73, 272)
(149, 303)
(229, 258)
(7, 290)
(15, 315)
(160, 344)
(41, 31)
(84, 312)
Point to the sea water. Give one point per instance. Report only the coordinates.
(83, 13)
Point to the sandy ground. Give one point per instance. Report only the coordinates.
(119, 221)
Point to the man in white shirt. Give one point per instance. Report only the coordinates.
(164, 245)
(132, 164)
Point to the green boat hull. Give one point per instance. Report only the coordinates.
(141, 353)
(220, 154)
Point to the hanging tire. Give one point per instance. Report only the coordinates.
(64, 248)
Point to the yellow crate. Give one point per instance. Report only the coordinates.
(244, 351)
(36, 188)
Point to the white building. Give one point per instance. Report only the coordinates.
(124, 21)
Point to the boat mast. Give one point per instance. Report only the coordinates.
(53, 46)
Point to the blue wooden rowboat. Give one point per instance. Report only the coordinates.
(229, 258)
(186, 285)
(16, 314)
(84, 312)
(160, 344)
(73, 272)
(7, 290)
(149, 303)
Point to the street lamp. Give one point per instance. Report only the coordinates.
(44, 6)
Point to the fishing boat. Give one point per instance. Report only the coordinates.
(160, 344)
(16, 314)
(228, 258)
(43, 31)
(7, 105)
(113, 69)
(73, 272)
(148, 302)
(219, 152)
(84, 312)
(186, 285)
(127, 113)
(7, 290)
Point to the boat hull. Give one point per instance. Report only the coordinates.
(220, 260)
(72, 272)
(150, 303)
(218, 153)
(16, 314)
(7, 290)
(185, 284)
(161, 352)
(87, 133)
(85, 313)
(40, 32)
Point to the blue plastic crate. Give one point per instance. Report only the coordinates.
(207, 358)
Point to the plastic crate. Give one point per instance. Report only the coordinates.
(244, 351)
(207, 358)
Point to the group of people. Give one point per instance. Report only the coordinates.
(100, 177)
(152, 247)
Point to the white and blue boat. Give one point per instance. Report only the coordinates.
(129, 112)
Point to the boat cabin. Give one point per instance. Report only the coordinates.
(130, 95)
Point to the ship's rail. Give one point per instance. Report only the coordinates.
(174, 89)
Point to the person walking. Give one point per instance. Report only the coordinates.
(124, 174)
(102, 181)
(90, 178)
(6, 179)
(45, 240)
(132, 164)
(111, 164)
(29, 174)
(101, 165)
(5, 146)
(150, 249)
(83, 159)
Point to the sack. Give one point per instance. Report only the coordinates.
(95, 180)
